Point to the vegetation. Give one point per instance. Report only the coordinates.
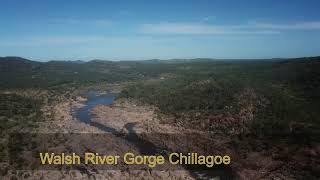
(17, 113)
(280, 94)
(262, 105)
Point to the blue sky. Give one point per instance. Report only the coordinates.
(145, 29)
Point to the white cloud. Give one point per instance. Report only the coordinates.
(313, 25)
(200, 29)
(209, 29)
(207, 19)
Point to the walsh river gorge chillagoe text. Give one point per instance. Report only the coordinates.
(168, 90)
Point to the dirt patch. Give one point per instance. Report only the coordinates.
(122, 112)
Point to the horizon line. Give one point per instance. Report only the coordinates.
(157, 59)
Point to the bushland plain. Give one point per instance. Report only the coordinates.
(265, 110)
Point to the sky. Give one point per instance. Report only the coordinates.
(159, 29)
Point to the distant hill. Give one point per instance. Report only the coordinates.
(12, 60)
(20, 72)
(17, 64)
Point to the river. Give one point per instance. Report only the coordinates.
(83, 114)
(145, 147)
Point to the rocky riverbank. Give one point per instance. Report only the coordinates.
(280, 161)
(63, 121)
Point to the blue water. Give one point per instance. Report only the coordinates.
(83, 114)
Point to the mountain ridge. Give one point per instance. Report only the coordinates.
(18, 59)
